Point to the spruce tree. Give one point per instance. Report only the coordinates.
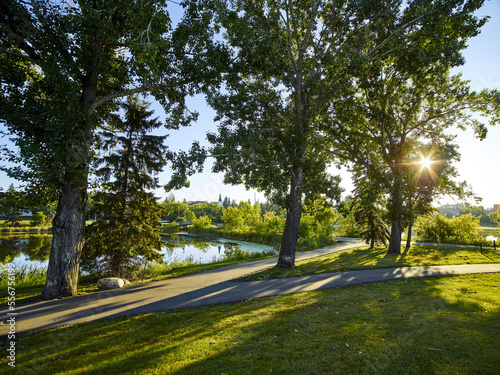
(127, 229)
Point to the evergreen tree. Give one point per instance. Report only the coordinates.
(128, 223)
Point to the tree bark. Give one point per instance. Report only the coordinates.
(372, 237)
(68, 228)
(408, 237)
(286, 258)
(397, 215)
(395, 240)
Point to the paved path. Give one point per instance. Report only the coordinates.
(208, 288)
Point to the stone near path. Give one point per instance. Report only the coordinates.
(111, 283)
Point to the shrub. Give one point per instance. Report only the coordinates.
(346, 226)
(202, 222)
(271, 224)
(316, 225)
(38, 219)
(463, 229)
(246, 223)
(242, 218)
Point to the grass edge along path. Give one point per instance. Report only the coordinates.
(365, 258)
(444, 325)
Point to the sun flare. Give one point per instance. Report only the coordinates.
(426, 162)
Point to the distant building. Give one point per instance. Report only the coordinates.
(220, 203)
(452, 210)
(496, 206)
(191, 203)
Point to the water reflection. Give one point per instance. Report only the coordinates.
(34, 250)
(180, 247)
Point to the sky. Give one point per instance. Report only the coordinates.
(479, 165)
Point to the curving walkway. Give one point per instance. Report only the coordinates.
(208, 288)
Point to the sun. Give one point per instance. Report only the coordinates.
(426, 162)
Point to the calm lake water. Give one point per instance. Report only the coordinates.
(34, 250)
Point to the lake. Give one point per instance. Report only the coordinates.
(34, 250)
(181, 247)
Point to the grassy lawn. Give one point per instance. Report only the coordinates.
(363, 258)
(446, 325)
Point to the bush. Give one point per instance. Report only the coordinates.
(247, 223)
(463, 229)
(271, 225)
(316, 225)
(243, 218)
(346, 226)
(38, 219)
(202, 222)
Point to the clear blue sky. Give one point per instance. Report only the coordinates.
(480, 159)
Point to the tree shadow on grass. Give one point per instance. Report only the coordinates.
(421, 326)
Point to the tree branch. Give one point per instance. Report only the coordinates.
(121, 94)
(20, 42)
(116, 95)
(385, 41)
(439, 115)
(21, 56)
(288, 37)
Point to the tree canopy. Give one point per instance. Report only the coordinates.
(393, 120)
(296, 86)
(64, 66)
(408, 98)
(325, 80)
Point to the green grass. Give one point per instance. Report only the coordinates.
(447, 325)
(364, 258)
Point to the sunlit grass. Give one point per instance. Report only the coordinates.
(364, 258)
(28, 280)
(447, 325)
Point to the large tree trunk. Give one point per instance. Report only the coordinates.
(397, 215)
(408, 237)
(395, 240)
(68, 228)
(286, 258)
